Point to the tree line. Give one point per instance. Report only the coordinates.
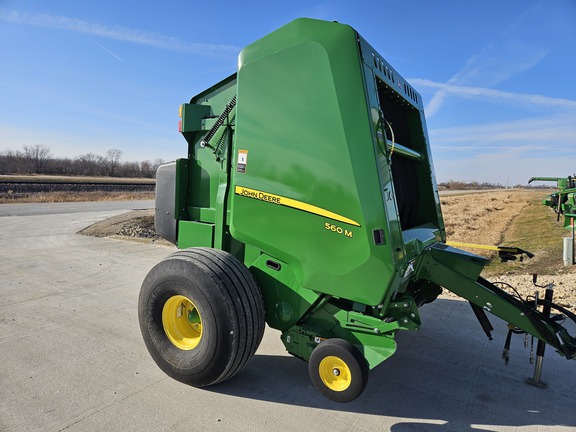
(462, 185)
(38, 159)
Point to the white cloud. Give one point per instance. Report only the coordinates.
(508, 169)
(506, 152)
(486, 93)
(515, 50)
(124, 34)
(558, 131)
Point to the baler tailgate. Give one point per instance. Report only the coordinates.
(441, 264)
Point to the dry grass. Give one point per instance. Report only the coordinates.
(48, 197)
(537, 230)
(483, 218)
(507, 218)
(76, 179)
(514, 218)
(8, 194)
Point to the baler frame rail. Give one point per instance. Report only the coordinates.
(452, 269)
(540, 321)
(505, 253)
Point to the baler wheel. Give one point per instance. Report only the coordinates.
(182, 322)
(201, 315)
(338, 370)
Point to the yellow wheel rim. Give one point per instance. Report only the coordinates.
(182, 323)
(335, 373)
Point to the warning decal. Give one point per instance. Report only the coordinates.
(242, 161)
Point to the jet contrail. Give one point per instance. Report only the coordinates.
(104, 48)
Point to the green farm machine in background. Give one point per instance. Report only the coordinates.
(308, 201)
(563, 201)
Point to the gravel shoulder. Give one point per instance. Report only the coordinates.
(137, 225)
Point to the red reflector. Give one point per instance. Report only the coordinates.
(179, 125)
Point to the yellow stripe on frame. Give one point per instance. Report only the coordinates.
(473, 245)
(292, 203)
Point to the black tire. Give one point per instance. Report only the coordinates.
(224, 313)
(338, 370)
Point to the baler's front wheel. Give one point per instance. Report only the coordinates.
(338, 370)
(201, 315)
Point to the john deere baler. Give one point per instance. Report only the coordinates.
(308, 201)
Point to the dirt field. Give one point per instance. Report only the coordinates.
(514, 218)
(483, 217)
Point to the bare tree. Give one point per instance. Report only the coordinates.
(148, 168)
(36, 156)
(129, 169)
(155, 166)
(111, 161)
(88, 164)
(11, 162)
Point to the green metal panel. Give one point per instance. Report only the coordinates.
(193, 116)
(182, 189)
(286, 302)
(195, 234)
(317, 182)
(568, 207)
(305, 125)
(464, 263)
(205, 175)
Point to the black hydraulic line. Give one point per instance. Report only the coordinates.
(541, 347)
(483, 320)
(506, 351)
(559, 308)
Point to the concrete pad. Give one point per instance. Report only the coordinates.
(72, 357)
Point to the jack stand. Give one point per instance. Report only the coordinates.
(535, 380)
(572, 226)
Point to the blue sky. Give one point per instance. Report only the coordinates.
(496, 76)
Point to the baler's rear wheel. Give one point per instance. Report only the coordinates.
(201, 315)
(338, 370)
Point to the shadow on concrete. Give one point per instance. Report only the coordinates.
(446, 377)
